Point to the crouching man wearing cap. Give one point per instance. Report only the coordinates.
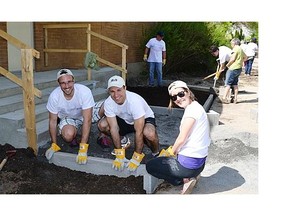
(127, 112)
(70, 109)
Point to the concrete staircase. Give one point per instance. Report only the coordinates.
(12, 121)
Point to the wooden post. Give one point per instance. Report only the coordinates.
(28, 97)
(89, 48)
(124, 63)
(46, 46)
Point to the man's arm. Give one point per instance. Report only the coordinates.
(232, 59)
(163, 54)
(146, 50)
(139, 140)
(145, 54)
(87, 119)
(53, 127)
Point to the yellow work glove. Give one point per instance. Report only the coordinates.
(217, 75)
(135, 161)
(82, 153)
(164, 62)
(145, 57)
(118, 163)
(166, 152)
(50, 152)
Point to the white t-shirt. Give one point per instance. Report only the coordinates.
(133, 108)
(224, 54)
(82, 99)
(244, 48)
(156, 48)
(198, 141)
(252, 49)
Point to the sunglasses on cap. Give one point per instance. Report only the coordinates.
(179, 94)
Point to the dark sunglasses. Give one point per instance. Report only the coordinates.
(179, 94)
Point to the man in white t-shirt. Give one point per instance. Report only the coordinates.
(156, 48)
(127, 112)
(223, 54)
(251, 52)
(70, 110)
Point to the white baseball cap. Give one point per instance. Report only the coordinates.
(176, 84)
(116, 81)
(63, 72)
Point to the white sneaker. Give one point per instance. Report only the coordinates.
(125, 143)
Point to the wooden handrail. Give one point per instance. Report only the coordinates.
(17, 43)
(108, 39)
(27, 84)
(124, 47)
(58, 26)
(111, 64)
(18, 81)
(66, 50)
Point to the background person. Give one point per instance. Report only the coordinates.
(223, 54)
(156, 48)
(127, 112)
(251, 52)
(70, 109)
(234, 70)
(182, 162)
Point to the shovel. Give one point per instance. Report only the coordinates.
(213, 74)
(9, 154)
(217, 71)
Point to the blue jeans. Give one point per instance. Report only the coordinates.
(233, 77)
(169, 169)
(248, 66)
(152, 67)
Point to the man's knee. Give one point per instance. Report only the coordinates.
(103, 125)
(68, 133)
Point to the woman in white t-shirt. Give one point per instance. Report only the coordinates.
(183, 162)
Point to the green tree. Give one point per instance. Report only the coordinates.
(188, 43)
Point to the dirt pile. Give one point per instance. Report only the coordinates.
(24, 173)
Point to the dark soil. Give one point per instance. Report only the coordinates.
(24, 173)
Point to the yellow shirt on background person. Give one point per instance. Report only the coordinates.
(238, 63)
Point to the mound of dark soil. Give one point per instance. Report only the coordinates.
(24, 173)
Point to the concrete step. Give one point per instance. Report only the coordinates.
(42, 80)
(42, 134)
(12, 121)
(15, 102)
(17, 117)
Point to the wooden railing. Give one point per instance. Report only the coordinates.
(88, 48)
(27, 84)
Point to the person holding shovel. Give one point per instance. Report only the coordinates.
(223, 54)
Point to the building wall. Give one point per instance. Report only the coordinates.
(3, 48)
(23, 31)
(129, 33)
